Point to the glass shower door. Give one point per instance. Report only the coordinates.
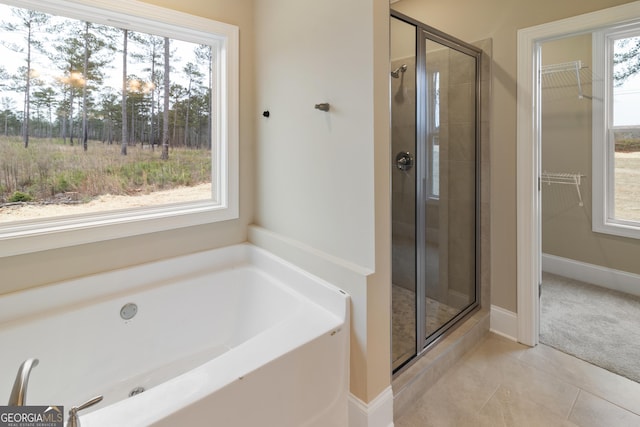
(435, 121)
(403, 146)
(446, 192)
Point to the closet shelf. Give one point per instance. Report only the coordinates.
(564, 178)
(564, 75)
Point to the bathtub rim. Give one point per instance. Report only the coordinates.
(47, 300)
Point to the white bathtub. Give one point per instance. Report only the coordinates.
(229, 337)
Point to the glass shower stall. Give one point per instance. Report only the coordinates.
(435, 98)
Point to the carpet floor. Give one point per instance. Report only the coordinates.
(592, 323)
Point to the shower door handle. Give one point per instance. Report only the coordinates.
(404, 161)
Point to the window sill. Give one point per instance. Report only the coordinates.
(621, 229)
(35, 236)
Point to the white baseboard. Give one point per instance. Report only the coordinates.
(594, 274)
(377, 413)
(504, 323)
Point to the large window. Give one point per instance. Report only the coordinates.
(113, 121)
(616, 131)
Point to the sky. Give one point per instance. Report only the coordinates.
(182, 53)
(626, 99)
(626, 103)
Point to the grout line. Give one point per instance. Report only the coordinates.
(573, 405)
(567, 378)
(490, 397)
(606, 399)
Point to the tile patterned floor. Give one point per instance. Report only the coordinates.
(404, 321)
(503, 383)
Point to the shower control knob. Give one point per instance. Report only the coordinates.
(404, 161)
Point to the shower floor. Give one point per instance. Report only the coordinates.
(404, 321)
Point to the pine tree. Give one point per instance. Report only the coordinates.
(29, 22)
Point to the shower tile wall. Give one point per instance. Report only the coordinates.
(450, 218)
(404, 188)
(437, 210)
(403, 97)
(459, 196)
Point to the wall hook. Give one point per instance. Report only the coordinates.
(323, 107)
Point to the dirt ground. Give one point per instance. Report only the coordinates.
(105, 203)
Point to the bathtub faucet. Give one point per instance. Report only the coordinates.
(19, 391)
(74, 420)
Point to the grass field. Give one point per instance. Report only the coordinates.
(48, 169)
(627, 185)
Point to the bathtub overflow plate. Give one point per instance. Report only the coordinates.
(128, 311)
(136, 391)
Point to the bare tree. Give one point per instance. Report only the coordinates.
(176, 91)
(108, 112)
(6, 102)
(68, 60)
(165, 112)
(85, 67)
(46, 97)
(7, 105)
(151, 54)
(123, 147)
(194, 76)
(205, 57)
(29, 22)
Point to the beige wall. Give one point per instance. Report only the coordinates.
(323, 178)
(566, 147)
(25, 271)
(315, 169)
(499, 19)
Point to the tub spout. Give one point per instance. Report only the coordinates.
(19, 391)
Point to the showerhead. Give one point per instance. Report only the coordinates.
(401, 69)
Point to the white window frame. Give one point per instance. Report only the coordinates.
(603, 149)
(37, 235)
(433, 104)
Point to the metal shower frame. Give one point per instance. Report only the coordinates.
(424, 33)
